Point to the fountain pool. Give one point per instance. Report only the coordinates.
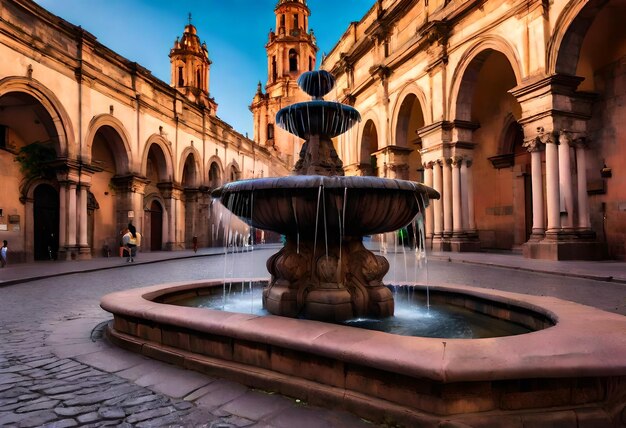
(569, 370)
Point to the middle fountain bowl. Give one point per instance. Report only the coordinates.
(355, 206)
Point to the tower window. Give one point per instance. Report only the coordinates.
(310, 64)
(181, 81)
(270, 131)
(282, 21)
(198, 81)
(295, 22)
(293, 60)
(274, 73)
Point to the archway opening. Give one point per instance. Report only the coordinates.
(215, 176)
(46, 222)
(156, 226)
(369, 146)
(410, 120)
(485, 102)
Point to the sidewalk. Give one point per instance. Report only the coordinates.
(608, 271)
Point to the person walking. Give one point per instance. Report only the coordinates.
(132, 239)
(3, 253)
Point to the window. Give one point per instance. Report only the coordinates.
(181, 81)
(282, 21)
(293, 60)
(198, 81)
(310, 64)
(295, 22)
(274, 73)
(270, 131)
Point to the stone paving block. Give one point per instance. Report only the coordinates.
(111, 361)
(221, 392)
(14, 392)
(170, 420)
(64, 423)
(256, 405)
(111, 413)
(14, 368)
(42, 362)
(88, 417)
(62, 389)
(37, 419)
(307, 417)
(42, 405)
(100, 396)
(238, 421)
(74, 411)
(134, 373)
(149, 414)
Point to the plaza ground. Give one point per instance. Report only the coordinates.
(57, 370)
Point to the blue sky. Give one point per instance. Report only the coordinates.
(235, 32)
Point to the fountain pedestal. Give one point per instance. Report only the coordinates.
(343, 283)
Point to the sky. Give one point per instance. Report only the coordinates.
(235, 32)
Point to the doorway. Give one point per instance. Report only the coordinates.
(156, 226)
(46, 222)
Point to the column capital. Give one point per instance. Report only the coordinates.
(542, 138)
(573, 138)
(456, 161)
(429, 165)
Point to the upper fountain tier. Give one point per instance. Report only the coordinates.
(317, 117)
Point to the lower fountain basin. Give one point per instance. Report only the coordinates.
(294, 204)
(571, 372)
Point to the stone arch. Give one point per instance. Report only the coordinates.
(468, 68)
(60, 119)
(195, 159)
(569, 32)
(233, 172)
(166, 169)
(120, 141)
(151, 233)
(368, 124)
(410, 90)
(215, 172)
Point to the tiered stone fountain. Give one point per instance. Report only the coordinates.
(324, 272)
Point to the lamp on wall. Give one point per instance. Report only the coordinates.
(606, 172)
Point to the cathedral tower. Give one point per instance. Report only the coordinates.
(190, 68)
(291, 50)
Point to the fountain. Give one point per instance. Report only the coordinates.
(324, 272)
(570, 370)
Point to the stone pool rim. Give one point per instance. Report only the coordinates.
(578, 366)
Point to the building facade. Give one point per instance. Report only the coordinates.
(291, 50)
(90, 141)
(513, 110)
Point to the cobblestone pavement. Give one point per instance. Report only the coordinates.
(57, 371)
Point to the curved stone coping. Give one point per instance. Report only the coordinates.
(363, 183)
(585, 341)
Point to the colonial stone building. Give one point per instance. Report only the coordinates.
(514, 110)
(90, 140)
(291, 50)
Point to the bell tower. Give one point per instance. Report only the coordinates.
(291, 50)
(191, 67)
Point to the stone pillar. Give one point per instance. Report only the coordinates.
(565, 180)
(465, 195)
(471, 218)
(447, 197)
(429, 217)
(584, 223)
(539, 227)
(438, 203)
(84, 250)
(457, 201)
(552, 186)
(71, 219)
(62, 216)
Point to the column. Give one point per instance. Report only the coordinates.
(471, 219)
(539, 227)
(583, 202)
(62, 216)
(565, 179)
(71, 216)
(464, 196)
(457, 202)
(82, 216)
(438, 203)
(552, 186)
(429, 217)
(447, 197)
